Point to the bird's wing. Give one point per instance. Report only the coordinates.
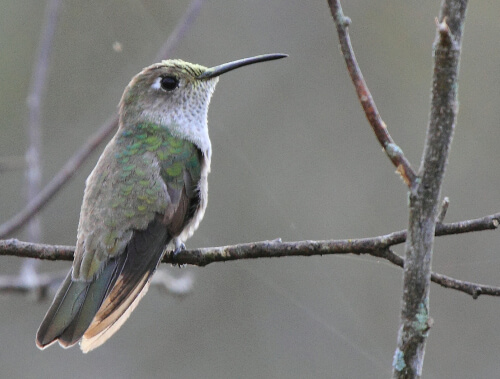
(143, 253)
(137, 178)
(135, 202)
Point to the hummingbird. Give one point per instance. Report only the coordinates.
(147, 191)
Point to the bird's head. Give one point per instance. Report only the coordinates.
(176, 94)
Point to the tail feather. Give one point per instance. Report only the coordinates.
(100, 331)
(144, 254)
(74, 307)
(96, 292)
(95, 310)
(56, 319)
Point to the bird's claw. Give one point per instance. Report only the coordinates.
(179, 248)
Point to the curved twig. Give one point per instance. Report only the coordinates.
(378, 125)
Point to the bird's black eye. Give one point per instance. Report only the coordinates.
(169, 83)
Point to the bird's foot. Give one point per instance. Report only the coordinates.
(179, 247)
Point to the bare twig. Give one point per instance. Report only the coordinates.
(377, 246)
(201, 257)
(424, 188)
(379, 127)
(13, 247)
(442, 212)
(472, 289)
(425, 193)
(72, 165)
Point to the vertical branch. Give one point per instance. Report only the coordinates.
(34, 102)
(424, 195)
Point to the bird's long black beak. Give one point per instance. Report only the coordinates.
(226, 67)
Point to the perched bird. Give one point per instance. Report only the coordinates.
(148, 189)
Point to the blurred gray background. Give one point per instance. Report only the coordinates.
(293, 158)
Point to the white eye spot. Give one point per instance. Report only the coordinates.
(156, 85)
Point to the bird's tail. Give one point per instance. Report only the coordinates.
(93, 311)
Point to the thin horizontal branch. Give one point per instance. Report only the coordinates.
(266, 249)
(393, 151)
(473, 289)
(76, 161)
(377, 246)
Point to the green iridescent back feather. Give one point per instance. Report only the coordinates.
(144, 175)
(174, 155)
